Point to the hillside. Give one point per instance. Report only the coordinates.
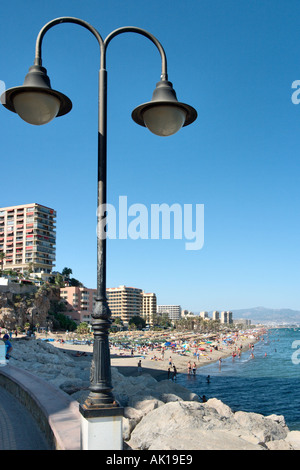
(263, 315)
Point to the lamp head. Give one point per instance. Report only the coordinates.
(164, 115)
(35, 101)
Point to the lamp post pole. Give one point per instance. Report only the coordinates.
(100, 389)
(37, 103)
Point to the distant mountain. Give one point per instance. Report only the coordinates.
(263, 315)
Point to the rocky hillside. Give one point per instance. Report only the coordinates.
(17, 309)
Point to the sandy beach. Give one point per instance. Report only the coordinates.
(159, 352)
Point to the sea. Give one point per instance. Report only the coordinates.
(268, 383)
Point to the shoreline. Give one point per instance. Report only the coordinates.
(156, 363)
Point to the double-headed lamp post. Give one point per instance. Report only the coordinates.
(37, 103)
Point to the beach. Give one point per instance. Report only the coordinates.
(160, 351)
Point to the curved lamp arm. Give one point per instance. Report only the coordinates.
(64, 19)
(103, 44)
(143, 32)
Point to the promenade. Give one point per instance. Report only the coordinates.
(18, 429)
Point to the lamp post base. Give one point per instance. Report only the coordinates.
(101, 428)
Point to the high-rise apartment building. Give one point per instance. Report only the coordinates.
(28, 238)
(216, 315)
(149, 307)
(173, 311)
(125, 302)
(226, 317)
(79, 303)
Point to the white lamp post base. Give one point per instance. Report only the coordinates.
(102, 433)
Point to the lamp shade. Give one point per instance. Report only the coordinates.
(164, 115)
(35, 107)
(35, 101)
(164, 119)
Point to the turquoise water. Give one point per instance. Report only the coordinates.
(266, 384)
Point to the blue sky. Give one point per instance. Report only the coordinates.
(235, 62)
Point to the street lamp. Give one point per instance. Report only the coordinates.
(37, 103)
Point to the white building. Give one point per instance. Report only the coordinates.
(173, 311)
(226, 317)
(216, 315)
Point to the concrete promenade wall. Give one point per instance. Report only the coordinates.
(55, 412)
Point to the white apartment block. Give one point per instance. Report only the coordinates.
(226, 317)
(215, 315)
(127, 302)
(173, 311)
(149, 306)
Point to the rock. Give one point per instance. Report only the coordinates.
(265, 429)
(221, 408)
(167, 387)
(145, 406)
(278, 419)
(129, 390)
(18, 304)
(293, 438)
(131, 418)
(186, 425)
(202, 440)
(72, 386)
(280, 444)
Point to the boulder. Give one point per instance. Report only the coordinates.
(187, 425)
